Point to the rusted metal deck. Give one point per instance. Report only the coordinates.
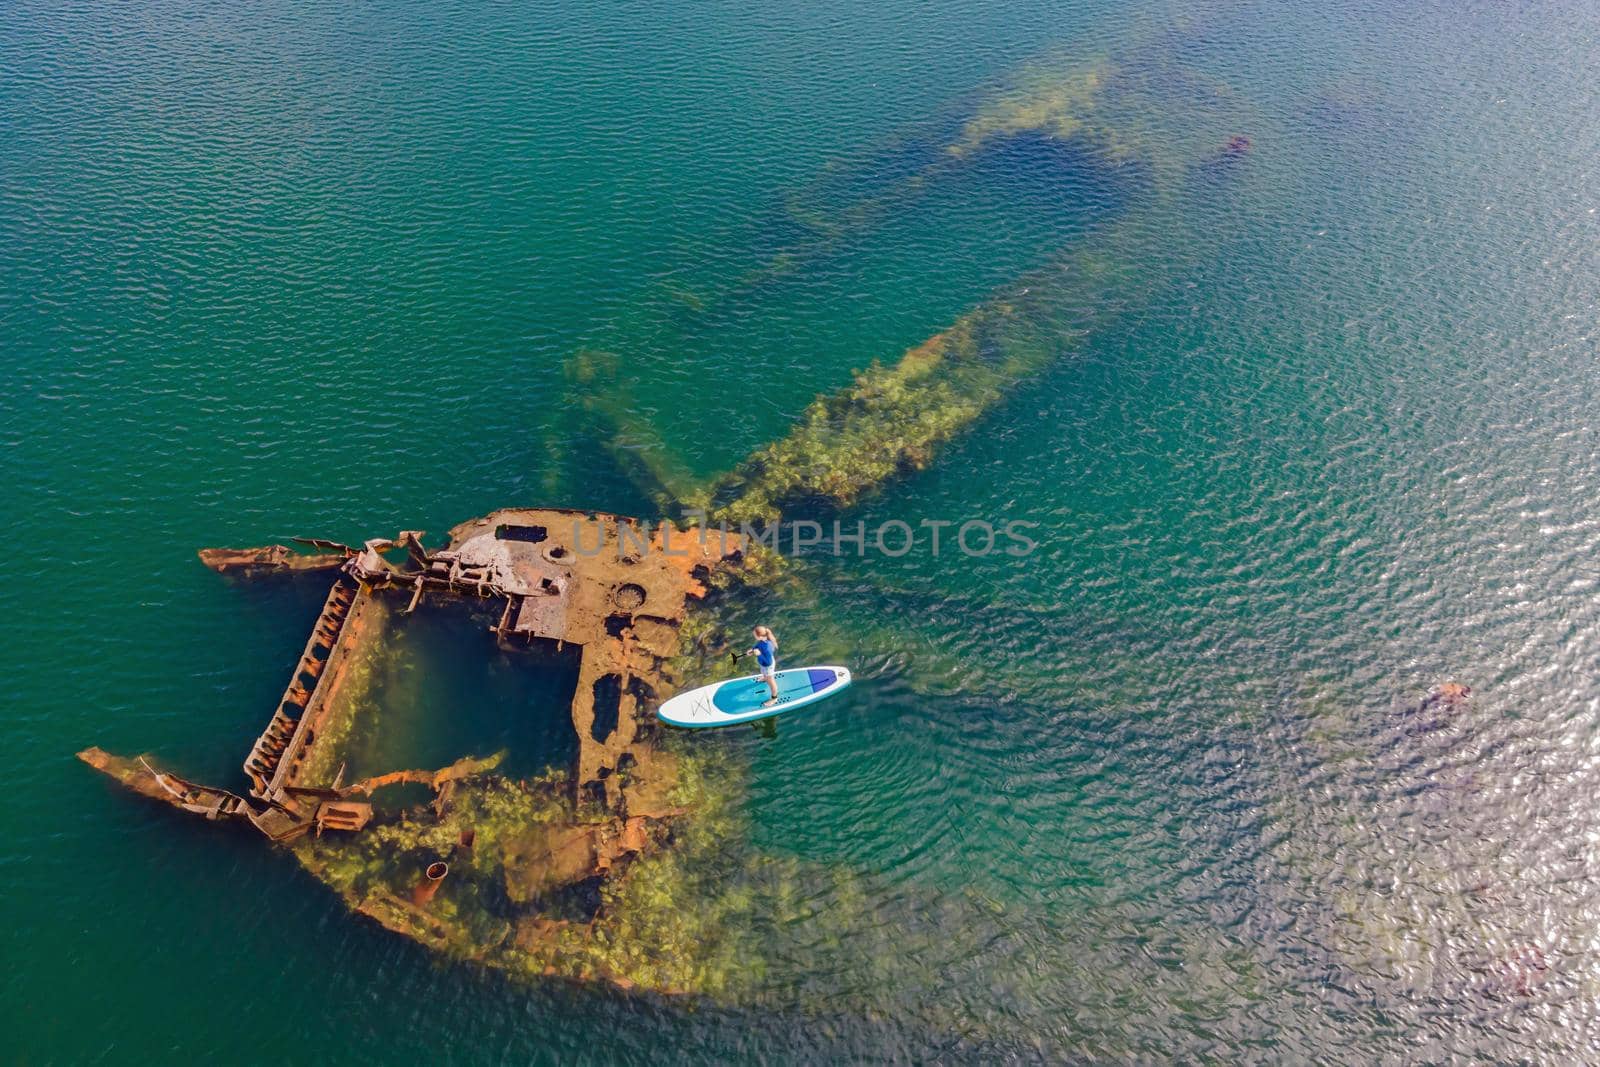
(601, 582)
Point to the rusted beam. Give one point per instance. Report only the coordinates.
(284, 736)
(271, 558)
(461, 768)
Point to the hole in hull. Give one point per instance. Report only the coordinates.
(434, 690)
(531, 534)
(607, 706)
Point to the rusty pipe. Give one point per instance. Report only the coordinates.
(428, 888)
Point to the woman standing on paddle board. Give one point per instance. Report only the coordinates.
(766, 650)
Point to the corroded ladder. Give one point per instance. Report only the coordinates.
(284, 737)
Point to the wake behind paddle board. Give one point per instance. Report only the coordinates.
(739, 699)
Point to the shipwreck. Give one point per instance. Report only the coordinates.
(580, 870)
(601, 583)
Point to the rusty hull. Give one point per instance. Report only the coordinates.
(325, 555)
(611, 586)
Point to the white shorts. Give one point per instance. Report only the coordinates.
(767, 672)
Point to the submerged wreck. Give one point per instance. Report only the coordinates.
(513, 857)
(586, 870)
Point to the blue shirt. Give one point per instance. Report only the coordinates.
(766, 652)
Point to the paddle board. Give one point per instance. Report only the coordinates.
(740, 699)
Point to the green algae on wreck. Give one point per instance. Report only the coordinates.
(1142, 114)
(520, 865)
(616, 868)
(524, 896)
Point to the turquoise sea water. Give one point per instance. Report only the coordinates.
(1152, 792)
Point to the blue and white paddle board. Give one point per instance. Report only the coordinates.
(740, 699)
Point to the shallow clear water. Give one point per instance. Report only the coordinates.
(434, 690)
(1153, 791)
